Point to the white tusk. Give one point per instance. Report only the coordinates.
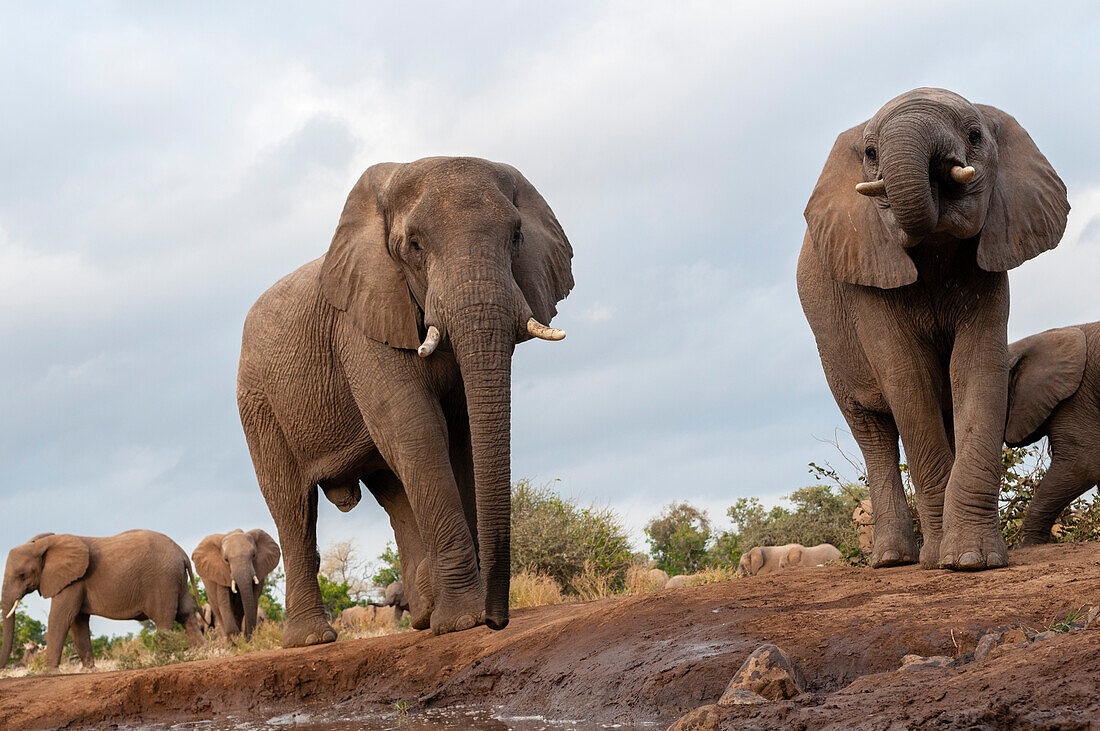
(431, 340)
(13, 608)
(962, 174)
(234, 586)
(538, 330)
(874, 188)
(255, 580)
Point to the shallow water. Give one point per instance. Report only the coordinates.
(455, 717)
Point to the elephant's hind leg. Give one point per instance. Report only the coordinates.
(82, 639)
(1066, 480)
(292, 502)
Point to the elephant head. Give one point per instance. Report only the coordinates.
(751, 562)
(46, 563)
(1046, 369)
(240, 561)
(460, 254)
(930, 162)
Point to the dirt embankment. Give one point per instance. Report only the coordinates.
(654, 657)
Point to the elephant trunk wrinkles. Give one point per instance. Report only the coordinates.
(9, 627)
(247, 591)
(906, 170)
(483, 335)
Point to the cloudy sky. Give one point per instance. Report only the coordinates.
(162, 168)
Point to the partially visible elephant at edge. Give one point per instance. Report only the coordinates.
(818, 555)
(395, 597)
(917, 217)
(137, 574)
(388, 361)
(1054, 392)
(762, 559)
(233, 567)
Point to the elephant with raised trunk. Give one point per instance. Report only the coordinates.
(138, 574)
(387, 362)
(233, 567)
(1055, 393)
(917, 217)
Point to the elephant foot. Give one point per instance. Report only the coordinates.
(930, 551)
(967, 548)
(1035, 539)
(893, 551)
(307, 632)
(423, 605)
(459, 615)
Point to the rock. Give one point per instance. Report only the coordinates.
(704, 718)
(740, 697)
(986, 645)
(1044, 636)
(1013, 637)
(679, 581)
(918, 662)
(1092, 621)
(768, 672)
(657, 577)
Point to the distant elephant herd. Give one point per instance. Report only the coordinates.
(385, 364)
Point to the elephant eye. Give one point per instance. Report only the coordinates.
(975, 136)
(871, 153)
(414, 244)
(517, 238)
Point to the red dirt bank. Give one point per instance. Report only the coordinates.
(655, 657)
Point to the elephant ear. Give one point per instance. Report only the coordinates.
(209, 562)
(542, 264)
(794, 556)
(64, 560)
(1028, 206)
(267, 552)
(853, 242)
(360, 276)
(756, 560)
(1046, 369)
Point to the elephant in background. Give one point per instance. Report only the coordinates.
(1054, 392)
(138, 575)
(233, 567)
(917, 217)
(763, 559)
(387, 362)
(818, 555)
(395, 597)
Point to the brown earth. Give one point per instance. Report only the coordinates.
(654, 657)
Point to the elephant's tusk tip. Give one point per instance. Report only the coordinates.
(233, 586)
(431, 340)
(872, 189)
(538, 330)
(962, 174)
(12, 610)
(255, 579)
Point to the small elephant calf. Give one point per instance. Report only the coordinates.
(818, 555)
(1054, 392)
(769, 559)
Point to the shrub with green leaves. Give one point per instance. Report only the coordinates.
(818, 515)
(334, 596)
(556, 537)
(678, 538)
(389, 569)
(27, 630)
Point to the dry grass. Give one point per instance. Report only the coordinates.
(638, 580)
(592, 584)
(711, 575)
(533, 590)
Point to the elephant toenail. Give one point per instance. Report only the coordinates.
(311, 639)
(970, 560)
(466, 621)
(330, 636)
(995, 560)
(947, 561)
(891, 556)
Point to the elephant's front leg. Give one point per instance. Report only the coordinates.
(63, 611)
(224, 617)
(82, 639)
(979, 391)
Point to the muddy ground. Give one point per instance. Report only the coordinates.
(654, 657)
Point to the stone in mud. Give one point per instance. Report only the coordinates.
(1044, 636)
(986, 645)
(1013, 637)
(657, 577)
(741, 697)
(1092, 621)
(704, 718)
(768, 672)
(918, 662)
(679, 581)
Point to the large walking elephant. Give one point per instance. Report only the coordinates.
(1055, 393)
(388, 362)
(138, 574)
(233, 567)
(914, 222)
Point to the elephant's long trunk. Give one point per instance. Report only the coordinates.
(483, 336)
(906, 170)
(249, 593)
(9, 627)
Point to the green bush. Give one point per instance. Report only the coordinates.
(334, 596)
(268, 601)
(819, 515)
(678, 538)
(556, 537)
(26, 630)
(390, 569)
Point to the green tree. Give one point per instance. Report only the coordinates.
(268, 601)
(678, 538)
(334, 596)
(556, 537)
(818, 515)
(390, 569)
(26, 630)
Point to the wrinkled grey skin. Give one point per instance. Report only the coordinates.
(233, 567)
(907, 296)
(332, 392)
(138, 574)
(1055, 393)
